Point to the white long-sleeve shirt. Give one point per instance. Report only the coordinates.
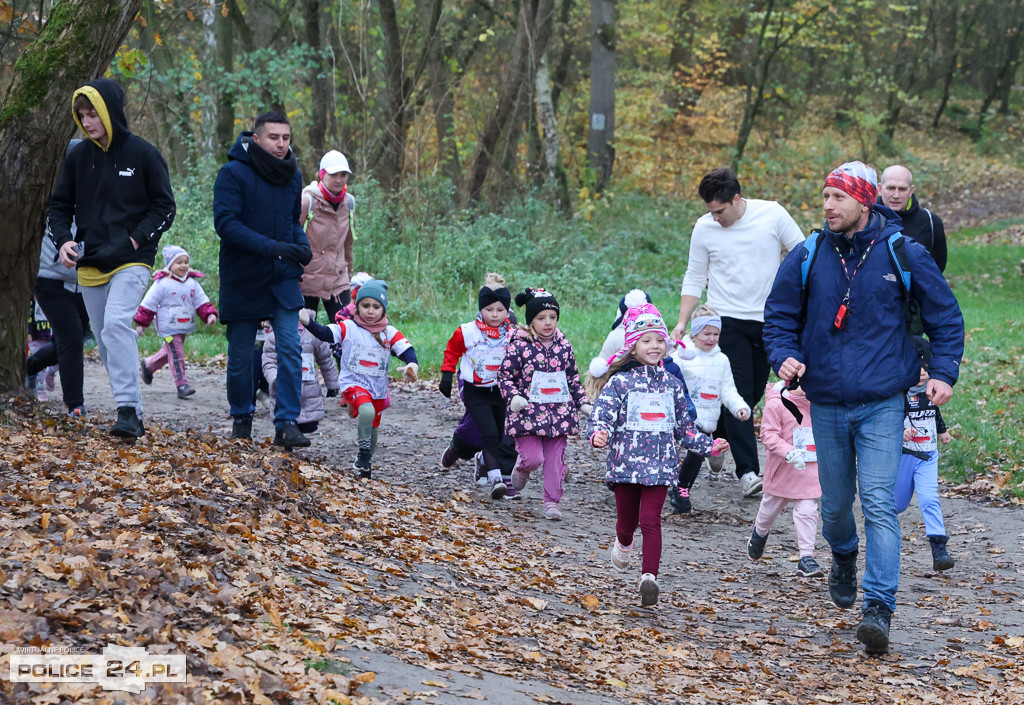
(737, 264)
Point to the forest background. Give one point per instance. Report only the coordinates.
(560, 142)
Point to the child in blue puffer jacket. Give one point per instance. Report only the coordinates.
(640, 415)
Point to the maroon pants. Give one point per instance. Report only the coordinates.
(641, 505)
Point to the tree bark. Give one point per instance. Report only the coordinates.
(319, 83)
(76, 44)
(441, 96)
(392, 161)
(226, 93)
(601, 136)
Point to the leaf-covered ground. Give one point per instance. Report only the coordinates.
(286, 580)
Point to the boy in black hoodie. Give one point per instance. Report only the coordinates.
(116, 188)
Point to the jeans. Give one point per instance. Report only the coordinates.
(742, 343)
(111, 307)
(921, 476)
(859, 447)
(65, 311)
(241, 339)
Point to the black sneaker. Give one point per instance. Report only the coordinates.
(185, 391)
(147, 376)
(755, 545)
(842, 579)
(362, 464)
(449, 458)
(480, 469)
(290, 437)
(807, 567)
(941, 560)
(679, 498)
(873, 630)
(128, 424)
(242, 428)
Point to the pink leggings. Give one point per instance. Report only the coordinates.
(641, 505)
(548, 451)
(172, 352)
(805, 519)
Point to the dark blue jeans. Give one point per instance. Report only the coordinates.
(241, 339)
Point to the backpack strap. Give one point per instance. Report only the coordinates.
(897, 246)
(810, 254)
(931, 227)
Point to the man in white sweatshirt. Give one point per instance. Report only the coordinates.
(735, 251)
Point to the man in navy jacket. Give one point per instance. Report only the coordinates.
(855, 359)
(256, 201)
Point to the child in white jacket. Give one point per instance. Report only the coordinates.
(709, 378)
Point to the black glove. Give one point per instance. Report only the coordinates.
(333, 392)
(446, 384)
(306, 254)
(293, 254)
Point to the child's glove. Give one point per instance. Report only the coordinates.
(304, 317)
(795, 458)
(445, 387)
(411, 371)
(586, 409)
(333, 392)
(517, 404)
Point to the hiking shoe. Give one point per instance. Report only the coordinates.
(144, 372)
(552, 512)
(289, 436)
(648, 590)
(679, 498)
(941, 560)
(873, 630)
(510, 491)
(78, 413)
(449, 458)
(809, 568)
(362, 463)
(498, 489)
(755, 545)
(519, 478)
(128, 424)
(842, 579)
(242, 428)
(185, 391)
(620, 556)
(481, 470)
(750, 484)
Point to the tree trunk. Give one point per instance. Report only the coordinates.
(392, 161)
(226, 95)
(76, 44)
(320, 85)
(441, 95)
(601, 137)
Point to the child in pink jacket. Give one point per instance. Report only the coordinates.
(790, 475)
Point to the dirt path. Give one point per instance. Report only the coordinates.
(710, 590)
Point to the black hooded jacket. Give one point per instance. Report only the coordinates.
(114, 194)
(925, 227)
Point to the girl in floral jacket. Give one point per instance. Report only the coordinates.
(640, 415)
(539, 383)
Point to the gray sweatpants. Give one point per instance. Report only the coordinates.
(111, 307)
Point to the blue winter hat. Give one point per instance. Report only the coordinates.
(375, 289)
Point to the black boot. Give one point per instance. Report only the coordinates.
(873, 630)
(842, 579)
(941, 560)
(128, 424)
(290, 437)
(242, 428)
(362, 463)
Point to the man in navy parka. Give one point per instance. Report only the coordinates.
(263, 249)
(855, 361)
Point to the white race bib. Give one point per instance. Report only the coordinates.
(487, 361)
(549, 388)
(804, 440)
(180, 319)
(261, 334)
(308, 367)
(653, 412)
(370, 361)
(709, 396)
(924, 438)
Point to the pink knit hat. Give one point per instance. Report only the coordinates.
(637, 320)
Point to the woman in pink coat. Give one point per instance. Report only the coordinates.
(791, 474)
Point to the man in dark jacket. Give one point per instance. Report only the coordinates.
(897, 193)
(846, 339)
(116, 189)
(256, 201)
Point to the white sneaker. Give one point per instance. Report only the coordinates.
(751, 484)
(552, 512)
(620, 556)
(648, 590)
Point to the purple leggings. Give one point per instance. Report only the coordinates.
(641, 505)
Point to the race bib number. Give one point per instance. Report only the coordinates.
(709, 396)
(369, 361)
(308, 367)
(181, 320)
(924, 437)
(549, 388)
(803, 439)
(652, 412)
(487, 362)
(261, 334)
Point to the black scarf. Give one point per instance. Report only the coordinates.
(270, 168)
